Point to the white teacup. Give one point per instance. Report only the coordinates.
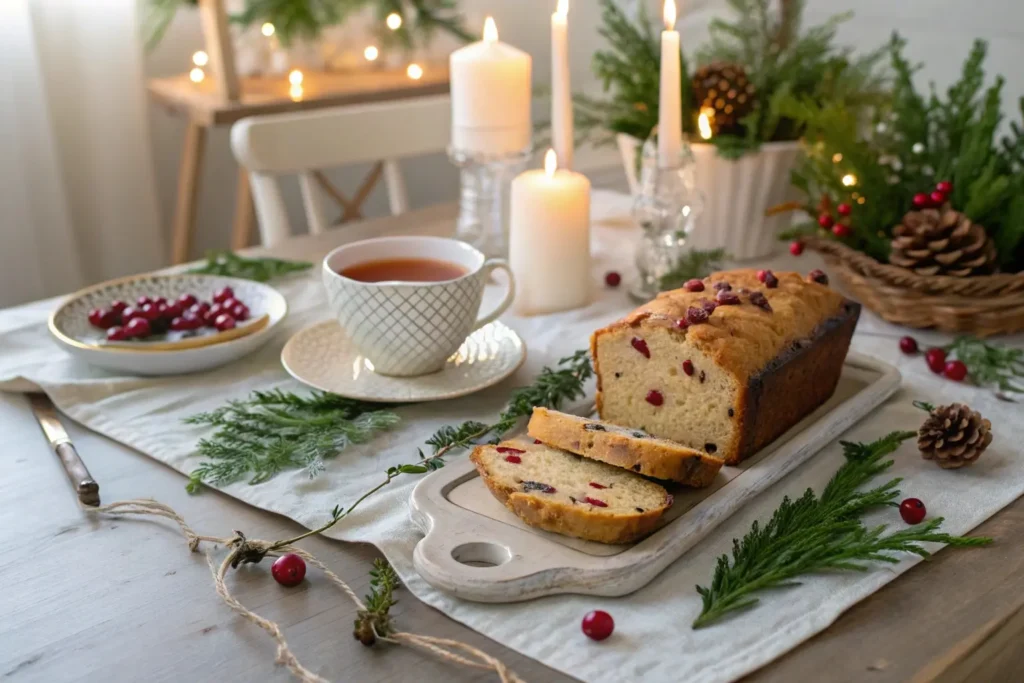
(411, 328)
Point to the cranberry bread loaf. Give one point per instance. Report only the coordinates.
(624, 447)
(726, 364)
(561, 492)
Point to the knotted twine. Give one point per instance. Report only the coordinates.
(244, 549)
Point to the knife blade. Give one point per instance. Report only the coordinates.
(46, 414)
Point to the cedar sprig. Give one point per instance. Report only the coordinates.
(990, 364)
(695, 264)
(261, 269)
(375, 620)
(815, 534)
(272, 431)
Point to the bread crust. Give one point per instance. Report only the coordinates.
(648, 456)
(569, 520)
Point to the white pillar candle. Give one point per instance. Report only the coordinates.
(549, 239)
(561, 92)
(490, 91)
(670, 102)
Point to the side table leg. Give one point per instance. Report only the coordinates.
(244, 215)
(188, 191)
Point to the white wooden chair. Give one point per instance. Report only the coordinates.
(304, 143)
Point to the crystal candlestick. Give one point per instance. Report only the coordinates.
(483, 198)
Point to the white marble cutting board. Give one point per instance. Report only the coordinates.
(476, 549)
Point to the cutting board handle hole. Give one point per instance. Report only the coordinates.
(481, 554)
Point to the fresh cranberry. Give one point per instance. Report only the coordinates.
(595, 485)
(199, 309)
(655, 398)
(159, 300)
(180, 324)
(818, 276)
(825, 221)
(844, 209)
(129, 313)
(223, 294)
(762, 274)
(840, 230)
(696, 316)
(143, 300)
(289, 570)
(955, 370)
(945, 187)
(212, 313)
(796, 247)
(507, 449)
(688, 367)
(694, 286)
(118, 306)
(514, 459)
(908, 345)
(938, 198)
(912, 510)
(224, 322)
(138, 327)
(708, 305)
(682, 324)
(770, 281)
(936, 359)
(612, 279)
(104, 318)
(173, 309)
(727, 298)
(921, 200)
(117, 333)
(150, 312)
(187, 301)
(229, 303)
(641, 346)
(595, 502)
(95, 316)
(598, 625)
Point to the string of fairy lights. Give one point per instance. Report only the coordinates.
(371, 53)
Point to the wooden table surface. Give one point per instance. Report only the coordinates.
(103, 599)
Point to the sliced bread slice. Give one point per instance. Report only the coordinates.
(561, 492)
(631, 449)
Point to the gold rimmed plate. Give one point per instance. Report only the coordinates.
(321, 356)
(69, 324)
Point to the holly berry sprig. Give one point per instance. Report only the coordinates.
(935, 198)
(985, 364)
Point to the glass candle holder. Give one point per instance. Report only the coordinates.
(483, 198)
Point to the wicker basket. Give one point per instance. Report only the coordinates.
(983, 306)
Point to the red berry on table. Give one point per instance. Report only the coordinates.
(180, 324)
(694, 286)
(223, 294)
(129, 313)
(289, 570)
(912, 510)
(150, 312)
(212, 313)
(199, 309)
(945, 187)
(796, 248)
(229, 303)
(96, 317)
(224, 322)
(844, 209)
(118, 306)
(239, 312)
(598, 625)
(908, 345)
(825, 221)
(612, 279)
(840, 230)
(117, 333)
(955, 370)
(921, 200)
(938, 198)
(936, 359)
(138, 327)
(159, 300)
(173, 310)
(187, 300)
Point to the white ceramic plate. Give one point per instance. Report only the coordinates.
(70, 326)
(322, 357)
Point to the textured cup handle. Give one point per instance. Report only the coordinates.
(489, 267)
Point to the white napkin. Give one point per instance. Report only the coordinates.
(653, 639)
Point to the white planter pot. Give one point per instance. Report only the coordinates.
(737, 192)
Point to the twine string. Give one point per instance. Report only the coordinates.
(244, 549)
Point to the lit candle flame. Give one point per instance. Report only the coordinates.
(295, 77)
(563, 9)
(490, 31)
(200, 58)
(849, 180)
(704, 124)
(670, 14)
(550, 163)
(415, 72)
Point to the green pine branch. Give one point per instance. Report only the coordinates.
(816, 534)
(261, 269)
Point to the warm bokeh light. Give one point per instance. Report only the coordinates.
(295, 92)
(371, 53)
(704, 124)
(670, 14)
(200, 58)
(836, 158)
(490, 31)
(414, 71)
(295, 77)
(563, 9)
(196, 75)
(550, 163)
(394, 21)
(849, 180)
(267, 29)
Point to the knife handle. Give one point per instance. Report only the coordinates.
(86, 487)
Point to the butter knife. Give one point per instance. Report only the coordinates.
(46, 414)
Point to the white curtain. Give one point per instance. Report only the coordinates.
(78, 201)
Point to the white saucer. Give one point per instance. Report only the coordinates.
(322, 357)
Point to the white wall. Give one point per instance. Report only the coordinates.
(940, 33)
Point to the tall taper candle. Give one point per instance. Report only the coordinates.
(670, 103)
(561, 92)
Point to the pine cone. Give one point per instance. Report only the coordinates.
(942, 242)
(954, 436)
(724, 89)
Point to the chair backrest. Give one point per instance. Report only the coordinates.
(305, 142)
